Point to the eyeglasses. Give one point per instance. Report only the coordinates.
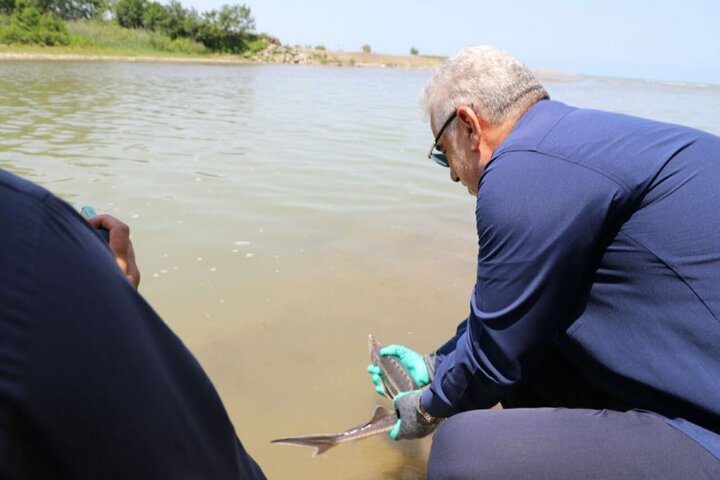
(440, 158)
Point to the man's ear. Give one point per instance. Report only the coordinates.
(469, 125)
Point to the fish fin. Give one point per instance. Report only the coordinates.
(380, 413)
(320, 449)
(321, 445)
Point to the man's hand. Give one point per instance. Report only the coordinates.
(420, 369)
(413, 421)
(120, 245)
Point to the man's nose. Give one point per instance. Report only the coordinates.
(454, 176)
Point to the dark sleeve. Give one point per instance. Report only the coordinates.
(448, 348)
(103, 388)
(541, 221)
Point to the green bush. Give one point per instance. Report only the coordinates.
(256, 43)
(413, 51)
(366, 49)
(320, 47)
(179, 45)
(185, 45)
(28, 26)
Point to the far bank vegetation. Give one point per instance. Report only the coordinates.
(72, 29)
(137, 25)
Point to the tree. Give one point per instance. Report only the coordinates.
(28, 24)
(176, 21)
(235, 19)
(366, 49)
(77, 9)
(413, 51)
(155, 17)
(192, 23)
(129, 13)
(64, 9)
(227, 30)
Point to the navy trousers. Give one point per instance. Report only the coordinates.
(564, 444)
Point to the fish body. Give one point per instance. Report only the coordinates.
(395, 379)
(382, 421)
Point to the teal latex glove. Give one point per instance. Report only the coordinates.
(374, 371)
(412, 423)
(420, 368)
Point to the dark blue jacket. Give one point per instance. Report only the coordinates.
(599, 239)
(93, 385)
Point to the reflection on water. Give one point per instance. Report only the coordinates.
(280, 214)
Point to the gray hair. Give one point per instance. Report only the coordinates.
(497, 86)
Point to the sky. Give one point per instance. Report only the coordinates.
(676, 40)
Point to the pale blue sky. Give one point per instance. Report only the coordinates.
(656, 39)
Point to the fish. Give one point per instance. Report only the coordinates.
(381, 421)
(394, 379)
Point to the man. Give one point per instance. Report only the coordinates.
(93, 385)
(597, 300)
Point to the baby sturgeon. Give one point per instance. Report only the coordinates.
(395, 379)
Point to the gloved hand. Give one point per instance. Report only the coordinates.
(420, 369)
(413, 421)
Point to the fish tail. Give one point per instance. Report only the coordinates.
(321, 444)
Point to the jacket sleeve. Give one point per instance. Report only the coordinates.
(448, 348)
(541, 223)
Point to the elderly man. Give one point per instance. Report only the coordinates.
(595, 317)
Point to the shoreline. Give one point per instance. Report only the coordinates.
(271, 55)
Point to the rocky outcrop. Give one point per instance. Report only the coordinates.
(287, 54)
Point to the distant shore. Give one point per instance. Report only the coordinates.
(274, 54)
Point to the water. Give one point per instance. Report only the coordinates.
(279, 215)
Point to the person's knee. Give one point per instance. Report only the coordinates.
(462, 448)
(561, 443)
(444, 453)
(484, 444)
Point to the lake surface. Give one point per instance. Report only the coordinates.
(279, 215)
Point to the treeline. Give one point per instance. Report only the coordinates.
(230, 29)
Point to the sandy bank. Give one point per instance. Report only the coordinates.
(274, 54)
(79, 57)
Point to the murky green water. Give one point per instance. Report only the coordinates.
(280, 214)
